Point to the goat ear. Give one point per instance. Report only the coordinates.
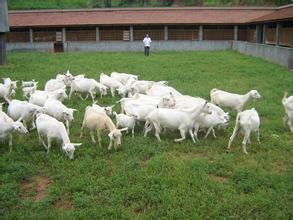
(123, 129)
(112, 106)
(77, 144)
(73, 109)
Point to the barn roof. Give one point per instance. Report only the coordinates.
(280, 14)
(137, 16)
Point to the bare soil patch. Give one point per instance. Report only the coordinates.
(221, 179)
(64, 203)
(36, 189)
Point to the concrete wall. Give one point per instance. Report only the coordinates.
(156, 46)
(36, 46)
(275, 54)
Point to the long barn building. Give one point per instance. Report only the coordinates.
(170, 28)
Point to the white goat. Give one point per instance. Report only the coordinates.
(8, 126)
(167, 101)
(54, 84)
(8, 81)
(126, 89)
(6, 91)
(183, 120)
(162, 90)
(88, 86)
(40, 97)
(288, 105)
(28, 83)
(98, 121)
(142, 86)
(59, 111)
(108, 109)
(111, 83)
(231, 100)
(246, 122)
(28, 91)
(210, 122)
(23, 111)
(125, 121)
(50, 128)
(123, 77)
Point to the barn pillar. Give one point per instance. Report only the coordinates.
(3, 57)
(31, 35)
(165, 32)
(235, 32)
(200, 32)
(278, 33)
(97, 34)
(258, 34)
(4, 27)
(63, 35)
(131, 33)
(264, 33)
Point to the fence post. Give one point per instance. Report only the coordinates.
(97, 34)
(235, 32)
(131, 33)
(31, 35)
(165, 32)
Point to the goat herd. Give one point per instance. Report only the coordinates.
(158, 105)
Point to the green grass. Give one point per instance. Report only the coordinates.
(147, 179)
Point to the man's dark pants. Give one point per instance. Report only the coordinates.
(146, 51)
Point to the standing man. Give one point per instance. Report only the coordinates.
(147, 43)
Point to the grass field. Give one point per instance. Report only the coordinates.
(147, 179)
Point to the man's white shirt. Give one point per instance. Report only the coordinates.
(147, 41)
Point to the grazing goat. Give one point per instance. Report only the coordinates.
(8, 126)
(125, 121)
(23, 111)
(28, 83)
(40, 97)
(123, 77)
(88, 86)
(28, 91)
(98, 121)
(162, 90)
(111, 83)
(231, 100)
(183, 120)
(108, 109)
(288, 105)
(246, 122)
(59, 111)
(6, 91)
(51, 128)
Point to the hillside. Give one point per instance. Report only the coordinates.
(63, 4)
